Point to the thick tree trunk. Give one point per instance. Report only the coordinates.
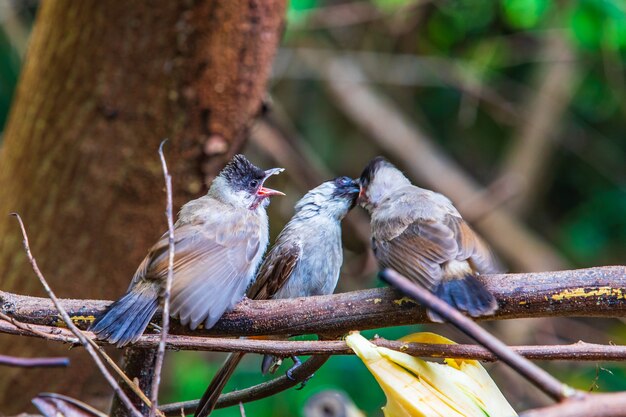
(103, 84)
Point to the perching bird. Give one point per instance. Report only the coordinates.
(219, 239)
(420, 234)
(304, 261)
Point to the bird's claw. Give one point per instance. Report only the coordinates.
(296, 365)
(303, 383)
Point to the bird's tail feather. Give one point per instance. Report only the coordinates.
(215, 388)
(467, 294)
(125, 320)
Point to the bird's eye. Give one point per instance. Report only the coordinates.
(254, 183)
(344, 181)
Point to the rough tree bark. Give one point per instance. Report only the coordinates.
(102, 85)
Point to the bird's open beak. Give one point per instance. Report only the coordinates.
(268, 192)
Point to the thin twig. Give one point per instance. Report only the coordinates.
(131, 385)
(242, 410)
(34, 362)
(165, 326)
(540, 378)
(580, 351)
(256, 392)
(68, 321)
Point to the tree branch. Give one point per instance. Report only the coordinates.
(580, 351)
(165, 328)
(591, 405)
(33, 362)
(592, 292)
(256, 392)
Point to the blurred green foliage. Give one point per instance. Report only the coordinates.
(497, 46)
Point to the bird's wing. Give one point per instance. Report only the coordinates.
(418, 251)
(275, 270)
(212, 268)
(471, 247)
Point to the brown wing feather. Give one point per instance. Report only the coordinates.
(471, 247)
(418, 251)
(275, 270)
(425, 245)
(211, 264)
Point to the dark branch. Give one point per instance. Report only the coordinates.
(34, 362)
(256, 392)
(593, 292)
(580, 351)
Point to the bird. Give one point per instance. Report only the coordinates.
(305, 260)
(420, 234)
(219, 240)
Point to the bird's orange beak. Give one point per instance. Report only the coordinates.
(268, 192)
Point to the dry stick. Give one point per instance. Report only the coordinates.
(165, 326)
(580, 351)
(68, 321)
(256, 392)
(34, 362)
(131, 385)
(540, 378)
(592, 405)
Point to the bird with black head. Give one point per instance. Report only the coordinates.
(219, 239)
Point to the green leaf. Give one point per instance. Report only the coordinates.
(524, 14)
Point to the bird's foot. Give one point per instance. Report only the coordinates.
(296, 364)
(156, 327)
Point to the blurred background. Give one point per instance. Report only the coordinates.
(521, 101)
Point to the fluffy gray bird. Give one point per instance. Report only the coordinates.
(420, 234)
(304, 261)
(220, 239)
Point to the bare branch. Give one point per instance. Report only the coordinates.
(540, 378)
(591, 405)
(68, 321)
(591, 292)
(580, 351)
(165, 327)
(256, 392)
(33, 362)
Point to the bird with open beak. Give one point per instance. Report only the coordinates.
(219, 239)
(305, 260)
(420, 234)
